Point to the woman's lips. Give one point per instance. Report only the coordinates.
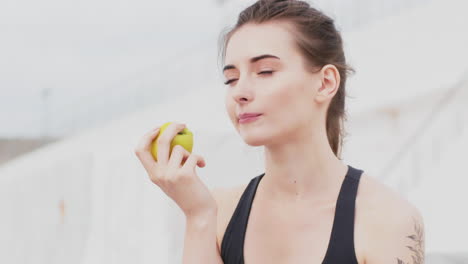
(248, 119)
(245, 115)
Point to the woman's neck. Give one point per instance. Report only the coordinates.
(302, 169)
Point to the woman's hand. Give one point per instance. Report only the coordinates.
(176, 178)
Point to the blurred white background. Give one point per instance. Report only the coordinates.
(81, 82)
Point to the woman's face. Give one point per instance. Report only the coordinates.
(284, 98)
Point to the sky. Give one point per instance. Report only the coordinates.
(75, 48)
(78, 44)
(58, 56)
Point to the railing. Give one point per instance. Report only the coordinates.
(431, 140)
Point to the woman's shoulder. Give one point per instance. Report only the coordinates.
(388, 225)
(377, 198)
(227, 197)
(226, 200)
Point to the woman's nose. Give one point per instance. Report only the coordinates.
(243, 92)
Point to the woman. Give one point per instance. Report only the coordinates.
(285, 74)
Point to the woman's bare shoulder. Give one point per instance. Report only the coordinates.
(374, 196)
(387, 223)
(226, 199)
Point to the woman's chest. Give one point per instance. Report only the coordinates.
(288, 237)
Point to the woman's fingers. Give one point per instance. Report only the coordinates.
(192, 161)
(143, 149)
(164, 141)
(180, 156)
(177, 156)
(175, 172)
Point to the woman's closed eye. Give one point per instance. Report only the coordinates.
(266, 72)
(263, 72)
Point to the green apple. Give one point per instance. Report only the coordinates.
(183, 138)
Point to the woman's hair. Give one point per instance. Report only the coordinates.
(318, 41)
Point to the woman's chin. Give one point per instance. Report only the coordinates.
(254, 136)
(255, 144)
(254, 141)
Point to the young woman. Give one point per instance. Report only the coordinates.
(285, 74)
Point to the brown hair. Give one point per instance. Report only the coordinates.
(319, 42)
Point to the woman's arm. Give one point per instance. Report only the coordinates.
(397, 236)
(200, 245)
(174, 173)
(200, 240)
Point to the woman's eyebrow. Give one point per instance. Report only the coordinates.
(252, 60)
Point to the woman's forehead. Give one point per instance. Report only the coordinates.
(251, 40)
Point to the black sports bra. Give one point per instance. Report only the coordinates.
(341, 245)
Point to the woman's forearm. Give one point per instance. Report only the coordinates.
(200, 240)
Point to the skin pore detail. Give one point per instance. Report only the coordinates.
(416, 244)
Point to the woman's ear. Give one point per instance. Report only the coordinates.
(330, 82)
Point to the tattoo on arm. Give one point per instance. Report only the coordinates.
(416, 244)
